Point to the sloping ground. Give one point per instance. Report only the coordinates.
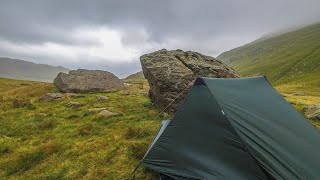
(24, 70)
(49, 140)
(291, 59)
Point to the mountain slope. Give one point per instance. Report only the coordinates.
(138, 76)
(24, 70)
(291, 59)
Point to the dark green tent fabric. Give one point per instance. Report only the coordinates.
(235, 129)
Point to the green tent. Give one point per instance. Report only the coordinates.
(235, 129)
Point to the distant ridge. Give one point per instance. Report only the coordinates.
(25, 70)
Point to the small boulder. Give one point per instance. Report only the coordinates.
(74, 104)
(101, 98)
(312, 111)
(86, 81)
(51, 96)
(106, 113)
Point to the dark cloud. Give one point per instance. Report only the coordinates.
(208, 26)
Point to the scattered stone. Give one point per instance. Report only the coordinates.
(171, 72)
(93, 110)
(101, 98)
(106, 113)
(74, 104)
(82, 80)
(51, 96)
(312, 111)
(298, 94)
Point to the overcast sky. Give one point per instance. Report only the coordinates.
(112, 34)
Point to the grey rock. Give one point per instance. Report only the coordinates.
(171, 72)
(102, 98)
(74, 104)
(312, 111)
(82, 80)
(106, 113)
(51, 96)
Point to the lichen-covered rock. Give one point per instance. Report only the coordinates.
(82, 80)
(51, 96)
(312, 111)
(74, 104)
(106, 113)
(102, 98)
(171, 72)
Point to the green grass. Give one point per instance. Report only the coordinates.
(49, 140)
(293, 57)
(291, 61)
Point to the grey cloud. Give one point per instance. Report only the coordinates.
(208, 26)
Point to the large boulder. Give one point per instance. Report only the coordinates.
(312, 111)
(81, 80)
(171, 72)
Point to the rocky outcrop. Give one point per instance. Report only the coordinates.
(171, 72)
(87, 81)
(312, 111)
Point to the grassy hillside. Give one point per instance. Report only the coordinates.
(24, 70)
(136, 77)
(291, 60)
(49, 140)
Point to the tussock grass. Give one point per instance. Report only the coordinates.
(49, 140)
